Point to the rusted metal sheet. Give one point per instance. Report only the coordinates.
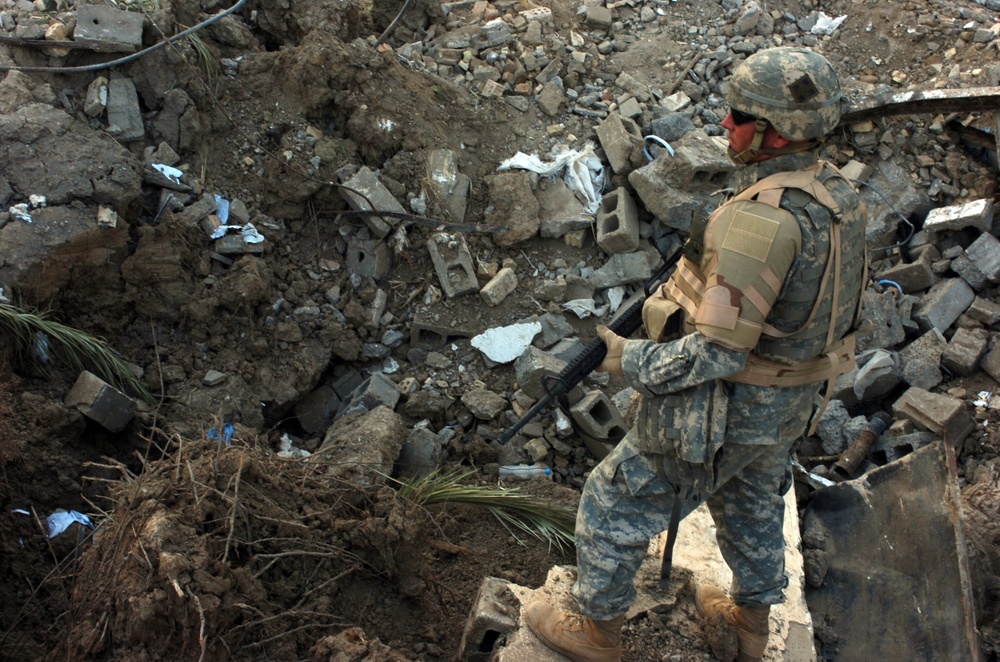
(921, 102)
(897, 581)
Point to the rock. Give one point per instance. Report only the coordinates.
(484, 404)
(362, 449)
(513, 206)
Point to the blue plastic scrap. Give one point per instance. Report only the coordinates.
(226, 437)
(61, 519)
(40, 347)
(222, 208)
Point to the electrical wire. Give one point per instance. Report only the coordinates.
(913, 230)
(392, 26)
(128, 58)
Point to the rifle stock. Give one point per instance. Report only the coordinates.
(593, 354)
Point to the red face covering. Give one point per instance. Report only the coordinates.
(741, 136)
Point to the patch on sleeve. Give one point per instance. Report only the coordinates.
(751, 235)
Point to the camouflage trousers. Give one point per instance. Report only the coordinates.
(626, 501)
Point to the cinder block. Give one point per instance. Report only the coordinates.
(598, 417)
(499, 286)
(939, 413)
(621, 140)
(976, 214)
(365, 183)
(618, 223)
(453, 264)
(100, 402)
(428, 330)
(369, 258)
(494, 615)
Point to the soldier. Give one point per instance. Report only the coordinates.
(757, 317)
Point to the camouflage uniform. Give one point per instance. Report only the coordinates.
(628, 497)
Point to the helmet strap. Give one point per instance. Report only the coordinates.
(754, 149)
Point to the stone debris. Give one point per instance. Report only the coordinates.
(100, 402)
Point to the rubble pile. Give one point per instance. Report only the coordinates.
(294, 225)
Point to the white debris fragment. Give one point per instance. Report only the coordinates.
(61, 519)
(171, 173)
(287, 449)
(20, 212)
(584, 308)
(581, 171)
(983, 399)
(506, 343)
(615, 297)
(38, 201)
(250, 234)
(827, 24)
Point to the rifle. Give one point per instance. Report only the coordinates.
(591, 357)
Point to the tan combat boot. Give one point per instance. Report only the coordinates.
(749, 623)
(577, 637)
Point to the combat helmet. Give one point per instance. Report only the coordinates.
(795, 89)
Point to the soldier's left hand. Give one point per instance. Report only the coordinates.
(612, 363)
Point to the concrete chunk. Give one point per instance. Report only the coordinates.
(124, 115)
(100, 402)
(369, 258)
(621, 140)
(943, 304)
(378, 390)
(532, 367)
(920, 360)
(984, 252)
(964, 351)
(107, 24)
(913, 276)
(941, 414)
(622, 269)
(494, 614)
(365, 184)
(977, 214)
(499, 286)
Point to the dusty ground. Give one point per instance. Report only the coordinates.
(309, 84)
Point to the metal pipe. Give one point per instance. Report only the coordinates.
(859, 449)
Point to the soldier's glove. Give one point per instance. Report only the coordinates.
(612, 363)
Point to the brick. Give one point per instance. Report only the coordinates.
(541, 14)
(943, 304)
(618, 223)
(453, 264)
(100, 402)
(936, 412)
(621, 140)
(964, 351)
(976, 214)
(499, 286)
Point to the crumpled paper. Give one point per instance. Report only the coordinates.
(581, 171)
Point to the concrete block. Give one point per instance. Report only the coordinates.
(369, 258)
(555, 328)
(969, 272)
(984, 252)
(991, 363)
(943, 304)
(346, 384)
(124, 114)
(920, 360)
(618, 223)
(914, 276)
(107, 24)
(939, 413)
(976, 214)
(964, 351)
(428, 329)
(375, 391)
(453, 264)
(366, 183)
(317, 410)
(532, 367)
(492, 34)
(499, 286)
(985, 311)
(893, 539)
(494, 615)
(541, 14)
(598, 417)
(621, 140)
(622, 269)
(100, 402)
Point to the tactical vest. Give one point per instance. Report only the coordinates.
(806, 337)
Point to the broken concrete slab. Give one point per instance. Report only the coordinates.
(124, 114)
(696, 559)
(98, 23)
(100, 402)
(621, 140)
(976, 214)
(897, 581)
(939, 413)
(364, 192)
(512, 206)
(362, 449)
(943, 304)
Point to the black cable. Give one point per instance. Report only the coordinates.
(913, 230)
(392, 26)
(127, 58)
